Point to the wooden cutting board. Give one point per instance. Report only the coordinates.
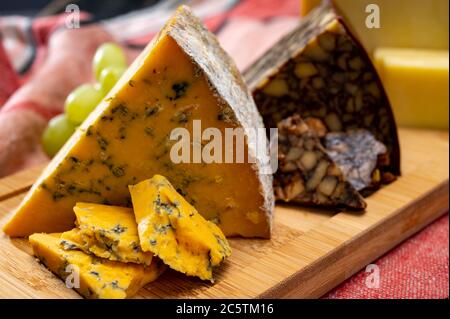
(311, 251)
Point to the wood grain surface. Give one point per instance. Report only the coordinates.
(311, 250)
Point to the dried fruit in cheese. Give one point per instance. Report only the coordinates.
(320, 70)
(98, 277)
(306, 174)
(183, 75)
(174, 231)
(108, 232)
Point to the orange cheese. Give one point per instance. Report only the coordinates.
(172, 229)
(183, 75)
(416, 82)
(307, 6)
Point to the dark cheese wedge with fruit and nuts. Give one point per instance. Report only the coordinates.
(320, 70)
(306, 173)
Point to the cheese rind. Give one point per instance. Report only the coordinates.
(108, 232)
(319, 70)
(416, 82)
(182, 76)
(98, 278)
(174, 231)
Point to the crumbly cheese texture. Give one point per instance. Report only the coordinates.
(174, 231)
(108, 232)
(416, 81)
(98, 277)
(182, 76)
(306, 174)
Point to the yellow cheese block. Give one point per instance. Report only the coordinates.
(98, 278)
(108, 232)
(417, 85)
(181, 76)
(403, 23)
(174, 231)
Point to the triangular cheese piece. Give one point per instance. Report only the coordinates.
(306, 174)
(107, 232)
(182, 75)
(320, 70)
(98, 277)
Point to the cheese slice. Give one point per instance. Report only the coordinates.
(174, 231)
(403, 23)
(98, 278)
(182, 75)
(108, 232)
(416, 82)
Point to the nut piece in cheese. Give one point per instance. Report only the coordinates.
(174, 231)
(306, 174)
(108, 232)
(181, 76)
(98, 277)
(319, 70)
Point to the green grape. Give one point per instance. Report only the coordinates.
(108, 54)
(81, 101)
(57, 132)
(109, 77)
